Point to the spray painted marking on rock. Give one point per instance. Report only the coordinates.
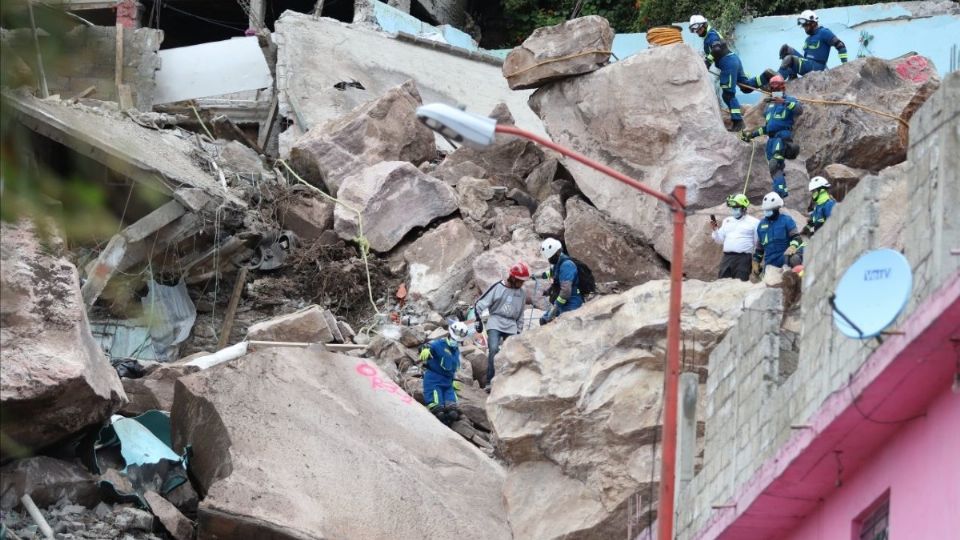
(914, 68)
(377, 383)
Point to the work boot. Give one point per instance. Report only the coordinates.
(736, 126)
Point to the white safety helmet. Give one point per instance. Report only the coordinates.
(549, 247)
(808, 15)
(459, 330)
(772, 201)
(818, 182)
(696, 21)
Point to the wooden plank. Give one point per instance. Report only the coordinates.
(232, 308)
(266, 128)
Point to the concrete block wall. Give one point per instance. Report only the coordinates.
(86, 56)
(749, 411)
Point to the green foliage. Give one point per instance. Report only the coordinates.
(523, 16)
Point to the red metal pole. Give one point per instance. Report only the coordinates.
(671, 375)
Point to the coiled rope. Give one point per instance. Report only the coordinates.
(664, 35)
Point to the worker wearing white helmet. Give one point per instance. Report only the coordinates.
(441, 360)
(774, 233)
(816, 49)
(701, 27)
(564, 293)
(822, 204)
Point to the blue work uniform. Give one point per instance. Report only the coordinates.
(779, 129)
(712, 37)
(823, 207)
(566, 270)
(816, 52)
(440, 369)
(731, 73)
(774, 238)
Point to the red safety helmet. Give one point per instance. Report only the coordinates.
(777, 83)
(520, 271)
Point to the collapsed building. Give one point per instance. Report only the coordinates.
(278, 245)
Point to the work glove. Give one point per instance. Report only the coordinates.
(424, 354)
(457, 385)
(790, 251)
(746, 135)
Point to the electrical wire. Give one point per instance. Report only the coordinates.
(216, 22)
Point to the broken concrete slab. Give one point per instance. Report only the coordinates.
(393, 197)
(556, 52)
(56, 380)
(308, 325)
(439, 264)
(306, 80)
(46, 480)
(157, 158)
(339, 420)
(384, 129)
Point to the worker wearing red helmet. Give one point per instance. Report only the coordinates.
(780, 114)
(504, 300)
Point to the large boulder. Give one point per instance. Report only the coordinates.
(473, 196)
(576, 404)
(555, 52)
(856, 137)
(548, 219)
(440, 264)
(308, 325)
(610, 252)
(506, 162)
(385, 129)
(392, 197)
(54, 378)
(344, 454)
(675, 138)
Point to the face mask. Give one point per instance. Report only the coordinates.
(768, 213)
(778, 95)
(737, 212)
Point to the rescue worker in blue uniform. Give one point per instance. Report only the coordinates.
(441, 360)
(566, 280)
(816, 49)
(701, 27)
(774, 234)
(780, 114)
(821, 206)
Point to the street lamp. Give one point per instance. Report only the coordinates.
(479, 131)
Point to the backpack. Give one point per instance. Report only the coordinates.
(586, 283)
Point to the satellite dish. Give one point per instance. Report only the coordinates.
(872, 293)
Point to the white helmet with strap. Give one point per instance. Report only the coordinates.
(696, 21)
(772, 201)
(549, 247)
(808, 15)
(818, 182)
(459, 331)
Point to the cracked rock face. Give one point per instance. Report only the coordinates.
(56, 379)
(556, 52)
(393, 198)
(581, 426)
(377, 463)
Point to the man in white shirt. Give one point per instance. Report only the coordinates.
(738, 234)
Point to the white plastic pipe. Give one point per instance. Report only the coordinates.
(38, 518)
(223, 355)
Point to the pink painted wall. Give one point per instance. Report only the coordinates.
(920, 466)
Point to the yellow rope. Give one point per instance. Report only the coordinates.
(664, 35)
(753, 150)
(204, 126)
(361, 240)
(558, 59)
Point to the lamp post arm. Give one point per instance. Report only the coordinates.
(513, 130)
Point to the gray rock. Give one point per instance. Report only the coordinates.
(308, 325)
(555, 52)
(133, 519)
(548, 219)
(393, 198)
(308, 217)
(56, 379)
(439, 263)
(385, 129)
(47, 480)
(523, 199)
(610, 251)
(474, 195)
(337, 424)
(179, 527)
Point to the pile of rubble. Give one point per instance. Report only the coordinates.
(271, 302)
